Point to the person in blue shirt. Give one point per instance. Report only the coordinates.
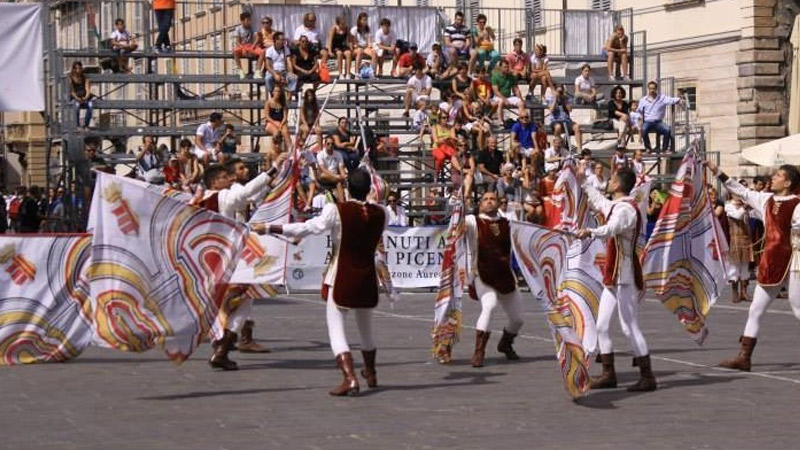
(523, 134)
(653, 107)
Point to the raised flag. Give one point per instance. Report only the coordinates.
(686, 258)
(162, 286)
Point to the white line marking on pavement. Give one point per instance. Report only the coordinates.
(766, 375)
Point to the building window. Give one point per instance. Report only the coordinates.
(690, 94)
(423, 3)
(379, 2)
(535, 8)
(601, 5)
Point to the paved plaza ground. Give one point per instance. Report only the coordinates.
(112, 400)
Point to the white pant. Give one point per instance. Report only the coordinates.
(489, 297)
(763, 296)
(739, 271)
(335, 318)
(240, 315)
(626, 296)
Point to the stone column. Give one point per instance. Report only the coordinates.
(764, 64)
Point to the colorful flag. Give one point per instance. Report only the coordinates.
(542, 256)
(162, 285)
(44, 307)
(582, 285)
(686, 257)
(452, 279)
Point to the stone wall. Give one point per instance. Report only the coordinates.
(764, 64)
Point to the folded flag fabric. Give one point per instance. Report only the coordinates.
(685, 259)
(44, 306)
(161, 282)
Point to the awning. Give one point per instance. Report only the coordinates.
(780, 151)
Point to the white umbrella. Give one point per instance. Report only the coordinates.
(780, 151)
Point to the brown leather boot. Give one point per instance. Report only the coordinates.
(647, 382)
(349, 384)
(368, 372)
(607, 379)
(481, 339)
(736, 296)
(246, 343)
(742, 360)
(219, 359)
(506, 345)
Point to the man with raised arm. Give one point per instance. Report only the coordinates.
(780, 263)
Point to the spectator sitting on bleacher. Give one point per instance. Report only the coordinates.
(148, 164)
(419, 87)
(436, 64)
(540, 72)
(331, 169)
(518, 60)
(309, 115)
(408, 61)
(191, 171)
(617, 49)
(461, 83)
(361, 40)
(484, 38)
(206, 138)
(560, 108)
(482, 89)
(385, 44)
(585, 88)
(598, 178)
(309, 30)
(554, 154)
(346, 144)
(462, 166)
(619, 160)
(506, 91)
(81, 94)
(489, 162)
(396, 214)
(636, 121)
(279, 65)
(508, 185)
(228, 143)
(474, 122)
(653, 107)
(122, 43)
(277, 115)
(637, 163)
(264, 41)
(306, 181)
(443, 141)
(304, 64)
(458, 40)
(523, 134)
(245, 43)
(420, 119)
(172, 172)
(619, 113)
(339, 41)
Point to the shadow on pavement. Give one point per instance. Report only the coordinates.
(469, 379)
(607, 398)
(222, 393)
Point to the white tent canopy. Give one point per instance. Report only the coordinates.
(780, 151)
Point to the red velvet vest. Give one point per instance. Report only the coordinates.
(494, 254)
(613, 264)
(211, 202)
(777, 241)
(356, 281)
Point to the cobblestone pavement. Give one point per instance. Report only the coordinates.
(113, 400)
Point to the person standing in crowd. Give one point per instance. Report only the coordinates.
(617, 49)
(653, 107)
(164, 11)
(81, 94)
(30, 219)
(350, 281)
(780, 262)
(622, 277)
(492, 279)
(3, 211)
(741, 247)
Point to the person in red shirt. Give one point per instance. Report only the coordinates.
(482, 88)
(407, 62)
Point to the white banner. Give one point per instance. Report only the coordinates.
(414, 254)
(21, 79)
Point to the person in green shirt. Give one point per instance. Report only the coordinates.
(506, 91)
